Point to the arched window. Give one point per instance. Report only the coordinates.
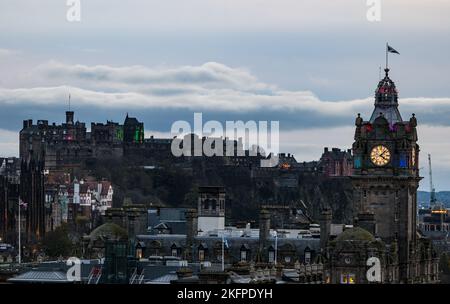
(174, 250)
(245, 253)
(202, 252)
(271, 254)
(307, 255)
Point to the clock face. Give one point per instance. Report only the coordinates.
(380, 155)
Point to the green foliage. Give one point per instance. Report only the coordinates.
(57, 243)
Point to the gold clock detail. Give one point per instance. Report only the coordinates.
(380, 155)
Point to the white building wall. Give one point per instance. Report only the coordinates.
(210, 223)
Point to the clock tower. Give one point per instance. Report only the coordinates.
(386, 175)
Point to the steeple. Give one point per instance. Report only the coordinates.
(386, 101)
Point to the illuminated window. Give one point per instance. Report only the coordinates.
(201, 255)
(357, 162)
(348, 278)
(351, 279)
(403, 162)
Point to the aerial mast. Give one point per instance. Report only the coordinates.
(432, 190)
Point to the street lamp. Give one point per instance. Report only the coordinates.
(276, 247)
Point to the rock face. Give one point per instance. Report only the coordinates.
(247, 189)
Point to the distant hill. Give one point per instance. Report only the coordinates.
(423, 197)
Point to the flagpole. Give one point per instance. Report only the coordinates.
(276, 246)
(20, 245)
(223, 253)
(387, 55)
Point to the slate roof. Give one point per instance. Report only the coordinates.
(165, 279)
(40, 276)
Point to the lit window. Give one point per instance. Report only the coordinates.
(403, 162)
(351, 279)
(201, 255)
(357, 162)
(348, 278)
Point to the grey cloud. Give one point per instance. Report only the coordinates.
(235, 94)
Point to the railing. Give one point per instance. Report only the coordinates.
(95, 275)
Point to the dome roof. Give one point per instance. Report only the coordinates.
(109, 231)
(355, 234)
(386, 101)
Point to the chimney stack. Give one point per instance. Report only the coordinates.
(264, 228)
(325, 227)
(192, 229)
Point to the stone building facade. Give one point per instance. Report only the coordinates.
(385, 181)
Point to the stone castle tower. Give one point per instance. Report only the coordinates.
(386, 174)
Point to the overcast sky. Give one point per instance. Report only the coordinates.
(310, 64)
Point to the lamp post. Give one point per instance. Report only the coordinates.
(223, 253)
(276, 247)
(20, 245)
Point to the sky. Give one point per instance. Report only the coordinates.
(312, 65)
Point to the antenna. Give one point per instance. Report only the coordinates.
(432, 190)
(69, 101)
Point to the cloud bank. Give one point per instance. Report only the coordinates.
(210, 87)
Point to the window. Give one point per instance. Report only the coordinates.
(271, 256)
(357, 162)
(287, 259)
(174, 252)
(243, 255)
(403, 162)
(307, 257)
(201, 255)
(348, 278)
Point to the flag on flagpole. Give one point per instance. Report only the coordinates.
(21, 203)
(389, 49)
(225, 242)
(392, 50)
